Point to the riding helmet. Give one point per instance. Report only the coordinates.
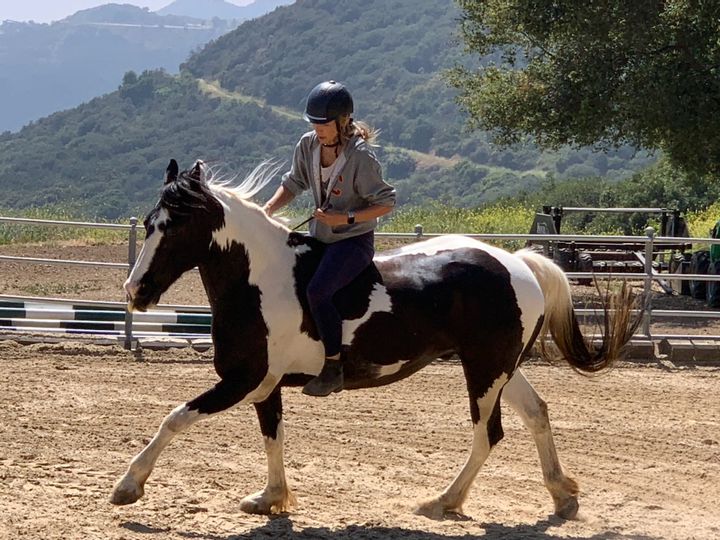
(328, 101)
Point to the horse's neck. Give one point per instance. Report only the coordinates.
(265, 240)
(250, 249)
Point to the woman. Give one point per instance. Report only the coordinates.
(335, 161)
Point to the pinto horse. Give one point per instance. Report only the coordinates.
(447, 296)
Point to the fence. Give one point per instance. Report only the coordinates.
(113, 318)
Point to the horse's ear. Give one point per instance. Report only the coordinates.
(197, 171)
(172, 171)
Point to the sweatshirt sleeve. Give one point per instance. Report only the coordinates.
(370, 185)
(296, 179)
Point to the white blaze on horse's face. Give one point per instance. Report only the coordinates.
(155, 232)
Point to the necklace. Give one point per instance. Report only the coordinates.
(336, 146)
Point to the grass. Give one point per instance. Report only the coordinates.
(12, 233)
(503, 218)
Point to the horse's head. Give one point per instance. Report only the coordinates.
(178, 234)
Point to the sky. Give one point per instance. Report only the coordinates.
(43, 11)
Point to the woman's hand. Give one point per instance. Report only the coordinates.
(330, 218)
(281, 197)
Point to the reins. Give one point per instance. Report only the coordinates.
(296, 227)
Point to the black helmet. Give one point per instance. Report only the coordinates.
(327, 102)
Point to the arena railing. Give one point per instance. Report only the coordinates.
(648, 276)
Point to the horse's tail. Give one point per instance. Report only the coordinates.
(560, 319)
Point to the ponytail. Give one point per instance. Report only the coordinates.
(362, 129)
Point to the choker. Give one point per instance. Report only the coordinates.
(335, 145)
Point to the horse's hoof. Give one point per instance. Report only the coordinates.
(254, 504)
(568, 509)
(126, 492)
(263, 503)
(432, 509)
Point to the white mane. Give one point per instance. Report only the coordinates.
(250, 186)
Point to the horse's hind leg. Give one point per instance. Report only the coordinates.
(222, 396)
(523, 398)
(487, 432)
(276, 497)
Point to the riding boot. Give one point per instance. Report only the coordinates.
(328, 381)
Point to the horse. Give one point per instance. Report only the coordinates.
(450, 295)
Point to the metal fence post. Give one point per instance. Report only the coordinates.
(132, 255)
(418, 231)
(647, 318)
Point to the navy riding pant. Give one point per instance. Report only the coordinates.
(342, 262)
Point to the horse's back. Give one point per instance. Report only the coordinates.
(451, 292)
(447, 258)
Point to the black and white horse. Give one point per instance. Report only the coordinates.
(433, 299)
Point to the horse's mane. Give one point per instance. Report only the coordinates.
(185, 193)
(194, 188)
(250, 186)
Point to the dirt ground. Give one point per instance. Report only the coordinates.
(642, 440)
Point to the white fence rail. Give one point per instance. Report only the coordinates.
(649, 241)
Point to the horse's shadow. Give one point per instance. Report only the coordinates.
(282, 527)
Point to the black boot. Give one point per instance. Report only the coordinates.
(328, 381)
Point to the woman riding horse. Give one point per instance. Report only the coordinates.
(335, 161)
(433, 299)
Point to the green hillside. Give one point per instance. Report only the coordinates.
(392, 54)
(107, 157)
(239, 101)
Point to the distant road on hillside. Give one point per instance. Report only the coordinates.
(168, 26)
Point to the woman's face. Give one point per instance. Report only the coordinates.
(327, 133)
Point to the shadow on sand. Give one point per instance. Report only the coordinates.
(282, 527)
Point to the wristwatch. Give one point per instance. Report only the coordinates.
(351, 217)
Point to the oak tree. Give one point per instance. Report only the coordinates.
(600, 72)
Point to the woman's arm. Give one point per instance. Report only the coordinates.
(334, 218)
(281, 197)
(372, 212)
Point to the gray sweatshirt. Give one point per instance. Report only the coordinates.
(356, 183)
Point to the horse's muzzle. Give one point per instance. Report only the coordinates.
(135, 300)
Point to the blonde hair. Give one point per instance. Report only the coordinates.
(350, 127)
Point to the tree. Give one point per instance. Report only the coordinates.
(130, 78)
(602, 73)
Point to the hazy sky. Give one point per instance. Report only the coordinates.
(53, 10)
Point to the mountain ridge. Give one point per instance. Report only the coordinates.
(209, 9)
(45, 68)
(125, 13)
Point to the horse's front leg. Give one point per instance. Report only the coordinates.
(276, 497)
(131, 486)
(225, 394)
